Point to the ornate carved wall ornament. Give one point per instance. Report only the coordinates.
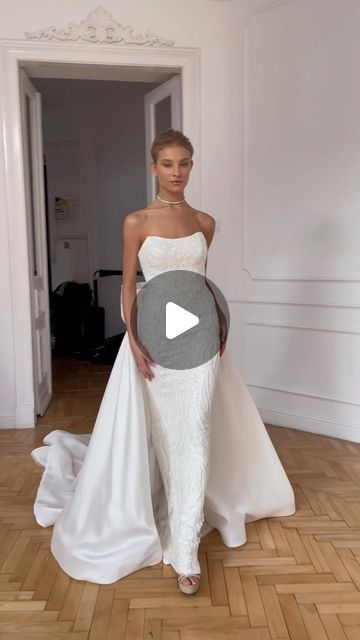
(99, 26)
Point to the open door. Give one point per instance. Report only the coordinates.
(162, 111)
(36, 231)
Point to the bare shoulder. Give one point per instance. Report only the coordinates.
(206, 221)
(207, 224)
(133, 223)
(134, 218)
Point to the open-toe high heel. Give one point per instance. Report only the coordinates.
(188, 588)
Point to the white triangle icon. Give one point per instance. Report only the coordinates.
(178, 320)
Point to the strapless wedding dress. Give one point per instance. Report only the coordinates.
(168, 459)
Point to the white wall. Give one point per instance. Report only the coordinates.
(101, 126)
(293, 278)
(279, 157)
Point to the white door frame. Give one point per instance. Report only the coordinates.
(12, 183)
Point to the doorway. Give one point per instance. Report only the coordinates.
(154, 75)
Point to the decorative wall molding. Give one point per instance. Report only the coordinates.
(252, 269)
(310, 329)
(99, 26)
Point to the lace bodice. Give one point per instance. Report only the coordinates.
(187, 252)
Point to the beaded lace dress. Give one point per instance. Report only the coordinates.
(180, 404)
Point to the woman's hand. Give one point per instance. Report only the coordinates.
(223, 334)
(143, 360)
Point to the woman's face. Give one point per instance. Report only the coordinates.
(173, 168)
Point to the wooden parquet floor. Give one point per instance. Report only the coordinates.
(297, 577)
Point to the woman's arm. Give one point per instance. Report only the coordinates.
(132, 242)
(209, 234)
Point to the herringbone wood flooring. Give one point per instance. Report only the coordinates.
(296, 577)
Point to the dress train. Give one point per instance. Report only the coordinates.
(105, 518)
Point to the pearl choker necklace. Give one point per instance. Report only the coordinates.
(170, 201)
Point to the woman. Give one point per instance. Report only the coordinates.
(175, 450)
(180, 431)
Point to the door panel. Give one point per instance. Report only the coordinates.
(162, 111)
(36, 228)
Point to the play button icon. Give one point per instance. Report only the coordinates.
(178, 320)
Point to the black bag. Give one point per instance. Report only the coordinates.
(76, 325)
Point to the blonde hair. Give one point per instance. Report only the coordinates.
(167, 138)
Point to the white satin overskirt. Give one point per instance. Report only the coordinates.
(104, 494)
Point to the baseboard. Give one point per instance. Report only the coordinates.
(320, 426)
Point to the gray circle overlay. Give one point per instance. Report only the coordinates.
(193, 292)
